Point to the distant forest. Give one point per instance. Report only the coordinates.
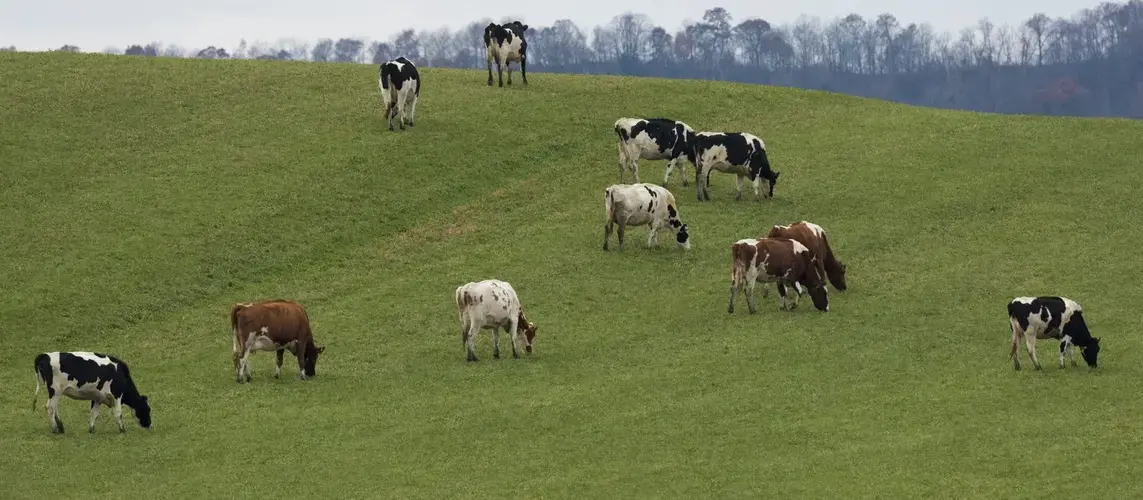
(1088, 65)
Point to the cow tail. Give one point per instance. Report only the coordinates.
(41, 360)
(609, 202)
(36, 396)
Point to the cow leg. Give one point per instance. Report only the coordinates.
(1063, 352)
(750, 295)
(1015, 344)
(667, 173)
(523, 68)
(512, 330)
(508, 66)
(94, 415)
(782, 294)
(607, 233)
(738, 193)
(488, 58)
(1030, 343)
(619, 232)
(698, 181)
(400, 112)
(245, 365)
(496, 342)
(301, 355)
(278, 367)
(470, 342)
(734, 286)
(794, 297)
(412, 107)
(500, 70)
(54, 413)
(119, 415)
(653, 236)
(1072, 354)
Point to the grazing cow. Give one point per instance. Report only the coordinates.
(781, 260)
(506, 44)
(491, 305)
(732, 152)
(273, 325)
(641, 205)
(89, 376)
(400, 87)
(654, 139)
(1050, 317)
(813, 237)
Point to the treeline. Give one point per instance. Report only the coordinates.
(1090, 64)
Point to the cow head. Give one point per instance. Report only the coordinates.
(517, 28)
(760, 169)
(837, 275)
(820, 297)
(682, 237)
(1091, 352)
(142, 411)
(529, 331)
(815, 283)
(311, 359)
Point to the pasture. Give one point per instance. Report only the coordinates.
(140, 198)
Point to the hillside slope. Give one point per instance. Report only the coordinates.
(141, 197)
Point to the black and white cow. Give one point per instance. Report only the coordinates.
(1050, 317)
(506, 44)
(732, 152)
(89, 376)
(643, 205)
(400, 87)
(654, 139)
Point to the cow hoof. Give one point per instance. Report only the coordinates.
(91, 430)
(730, 310)
(495, 355)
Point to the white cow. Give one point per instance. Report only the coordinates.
(400, 87)
(643, 204)
(491, 305)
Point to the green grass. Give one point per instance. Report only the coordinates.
(140, 198)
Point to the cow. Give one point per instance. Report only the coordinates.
(643, 204)
(813, 237)
(736, 153)
(89, 376)
(492, 304)
(654, 139)
(400, 88)
(273, 325)
(506, 44)
(781, 260)
(1050, 317)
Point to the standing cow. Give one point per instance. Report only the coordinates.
(492, 305)
(654, 139)
(736, 153)
(273, 325)
(643, 204)
(1050, 317)
(89, 376)
(781, 260)
(813, 237)
(505, 44)
(400, 88)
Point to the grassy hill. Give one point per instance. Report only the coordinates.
(140, 198)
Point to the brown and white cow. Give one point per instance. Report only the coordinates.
(813, 237)
(491, 305)
(781, 260)
(273, 325)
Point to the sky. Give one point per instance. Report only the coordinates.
(94, 26)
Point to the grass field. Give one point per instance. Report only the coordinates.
(140, 198)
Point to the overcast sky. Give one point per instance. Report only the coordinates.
(95, 25)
